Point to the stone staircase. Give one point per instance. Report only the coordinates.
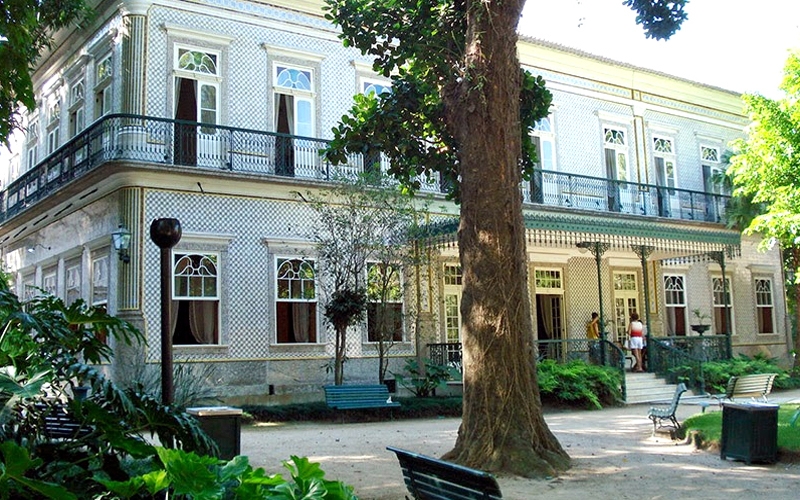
(647, 388)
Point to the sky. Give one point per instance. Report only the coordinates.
(738, 45)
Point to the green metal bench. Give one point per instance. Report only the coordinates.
(658, 414)
(349, 397)
(429, 478)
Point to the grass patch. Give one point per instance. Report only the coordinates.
(708, 427)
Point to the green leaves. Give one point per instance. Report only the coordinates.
(766, 166)
(14, 468)
(27, 26)
(422, 46)
(205, 478)
(659, 18)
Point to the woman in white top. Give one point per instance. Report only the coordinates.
(636, 342)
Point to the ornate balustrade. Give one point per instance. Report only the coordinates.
(163, 142)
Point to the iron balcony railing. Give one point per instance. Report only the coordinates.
(592, 193)
(164, 142)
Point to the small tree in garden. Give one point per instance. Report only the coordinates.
(766, 170)
(361, 223)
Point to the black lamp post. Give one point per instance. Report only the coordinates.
(166, 233)
(598, 248)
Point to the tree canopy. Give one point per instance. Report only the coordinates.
(766, 167)
(461, 109)
(26, 27)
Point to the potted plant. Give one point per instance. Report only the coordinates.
(700, 326)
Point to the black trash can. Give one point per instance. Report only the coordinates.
(749, 432)
(223, 424)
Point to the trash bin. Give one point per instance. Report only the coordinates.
(223, 424)
(749, 432)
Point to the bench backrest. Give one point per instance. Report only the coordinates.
(357, 396)
(430, 478)
(758, 385)
(676, 398)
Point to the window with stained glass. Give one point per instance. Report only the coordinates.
(764, 306)
(296, 301)
(675, 302)
(384, 303)
(195, 296)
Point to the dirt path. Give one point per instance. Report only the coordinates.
(614, 456)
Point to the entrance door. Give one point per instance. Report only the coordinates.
(626, 302)
(452, 314)
(549, 325)
(195, 101)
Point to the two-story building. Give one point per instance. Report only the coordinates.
(214, 112)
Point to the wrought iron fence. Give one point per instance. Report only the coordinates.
(608, 195)
(666, 354)
(597, 352)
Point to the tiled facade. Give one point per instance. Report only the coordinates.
(248, 219)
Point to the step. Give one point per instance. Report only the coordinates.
(647, 388)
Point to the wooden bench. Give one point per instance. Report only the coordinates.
(348, 397)
(658, 414)
(430, 478)
(748, 386)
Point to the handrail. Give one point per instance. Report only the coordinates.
(663, 358)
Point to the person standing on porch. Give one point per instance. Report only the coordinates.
(636, 340)
(593, 327)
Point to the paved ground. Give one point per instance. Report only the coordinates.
(614, 456)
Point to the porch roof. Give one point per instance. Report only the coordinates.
(668, 239)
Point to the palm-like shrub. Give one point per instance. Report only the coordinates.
(46, 350)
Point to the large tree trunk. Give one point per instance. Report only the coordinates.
(502, 429)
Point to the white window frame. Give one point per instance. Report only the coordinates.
(398, 269)
(364, 84)
(32, 144)
(668, 304)
(50, 282)
(718, 302)
(620, 150)
(761, 306)
(72, 277)
(103, 89)
(197, 272)
(299, 96)
(667, 158)
(544, 132)
(548, 279)
(100, 279)
(315, 315)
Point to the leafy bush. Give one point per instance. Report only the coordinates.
(47, 349)
(578, 383)
(435, 376)
(194, 476)
(717, 373)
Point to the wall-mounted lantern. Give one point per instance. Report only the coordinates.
(121, 239)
